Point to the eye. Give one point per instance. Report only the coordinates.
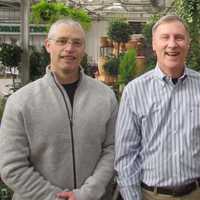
(180, 38)
(77, 43)
(164, 37)
(61, 41)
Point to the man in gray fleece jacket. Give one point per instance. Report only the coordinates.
(56, 136)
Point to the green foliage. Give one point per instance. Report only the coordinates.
(38, 62)
(189, 10)
(5, 192)
(147, 32)
(126, 66)
(147, 29)
(85, 65)
(10, 54)
(119, 31)
(49, 12)
(112, 65)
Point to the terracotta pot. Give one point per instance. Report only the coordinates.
(131, 44)
(103, 41)
(110, 43)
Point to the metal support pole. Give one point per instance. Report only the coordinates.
(25, 67)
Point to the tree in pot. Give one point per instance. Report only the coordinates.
(119, 31)
(10, 56)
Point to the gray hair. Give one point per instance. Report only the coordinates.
(67, 22)
(169, 18)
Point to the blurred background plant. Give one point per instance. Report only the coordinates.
(127, 67)
(39, 59)
(147, 32)
(112, 65)
(10, 57)
(48, 12)
(190, 12)
(119, 31)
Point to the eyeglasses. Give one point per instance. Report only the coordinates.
(64, 41)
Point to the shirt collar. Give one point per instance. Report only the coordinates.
(164, 77)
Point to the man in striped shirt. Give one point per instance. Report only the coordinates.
(158, 126)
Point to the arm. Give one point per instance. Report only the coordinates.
(95, 185)
(15, 167)
(127, 148)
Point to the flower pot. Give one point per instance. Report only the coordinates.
(103, 41)
(131, 44)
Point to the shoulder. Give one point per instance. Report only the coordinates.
(193, 74)
(26, 93)
(99, 92)
(141, 81)
(97, 86)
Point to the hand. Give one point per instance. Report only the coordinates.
(66, 195)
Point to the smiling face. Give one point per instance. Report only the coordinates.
(66, 46)
(171, 44)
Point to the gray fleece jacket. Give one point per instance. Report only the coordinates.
(47, 147)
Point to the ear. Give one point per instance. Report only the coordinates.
(47, 45)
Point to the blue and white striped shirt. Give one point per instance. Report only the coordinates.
(158, 132)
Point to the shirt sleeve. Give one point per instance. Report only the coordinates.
(127, 149)
(95, 186)
(15, 166)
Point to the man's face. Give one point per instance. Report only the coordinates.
(171, 44)
(66, 48)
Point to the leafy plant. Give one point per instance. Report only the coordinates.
(5, 192)
(190, 12)
(10, 56)
(147, 32)
(48, 12)
(119, 31)
(86, 66)
(112, 65)
(38, 62)
(126, 66)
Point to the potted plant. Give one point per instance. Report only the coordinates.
(10, 56)
(119, 32)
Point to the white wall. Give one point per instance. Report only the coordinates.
(98, 29)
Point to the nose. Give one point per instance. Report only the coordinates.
(68, 45)
(172, 42)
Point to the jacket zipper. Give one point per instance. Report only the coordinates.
(71, 133)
